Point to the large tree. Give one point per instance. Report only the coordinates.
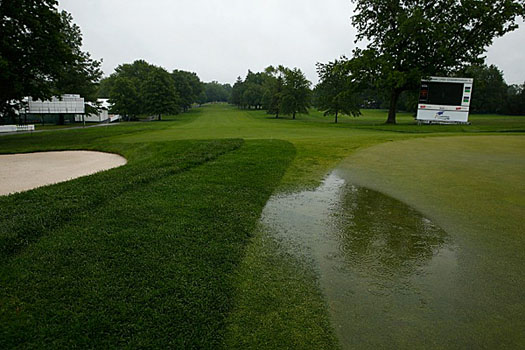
(489, 90)
(217, 92)
(237, 92)
(516, 100)
(126, 87)
(274, 86)
(38, 45)
(82, 75)
(296, 93)
(336, 92)
(189, 87)
(159, 93)
(125, 98)
(410, 39)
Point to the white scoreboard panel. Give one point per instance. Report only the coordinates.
(445, 100)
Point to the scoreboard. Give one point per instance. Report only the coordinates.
(445, 100)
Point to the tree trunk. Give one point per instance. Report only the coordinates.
(159, 117)
(394, 97)
(336, 113)
(277, 115)
(293, 117)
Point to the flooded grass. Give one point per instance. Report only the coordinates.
(389, 274)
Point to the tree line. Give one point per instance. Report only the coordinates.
(140, 88)
(279, 90)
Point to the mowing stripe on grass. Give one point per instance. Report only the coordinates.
(151, 267)
(29, 215)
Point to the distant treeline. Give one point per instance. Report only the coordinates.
(141, 88)
(491, 94)
(286, 91)
(278, 90)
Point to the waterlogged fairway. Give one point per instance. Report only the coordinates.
(171, 249)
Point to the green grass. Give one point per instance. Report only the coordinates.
(163, 252)
(473, 188)
(279, 304)
(147, 264)
(320, 143)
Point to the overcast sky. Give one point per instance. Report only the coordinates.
(222, 39)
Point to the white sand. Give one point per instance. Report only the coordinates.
(22, 172)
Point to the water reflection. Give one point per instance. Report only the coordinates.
(382, 265)
(383, 239)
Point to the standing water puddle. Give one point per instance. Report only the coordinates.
(387, 271)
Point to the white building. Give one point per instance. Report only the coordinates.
(102, 116)
(66, 104)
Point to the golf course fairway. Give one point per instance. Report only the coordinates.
(432, 257)
(231, 229)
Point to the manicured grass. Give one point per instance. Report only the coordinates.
(146, 264)
(279, 304)
(473, 188)
(320, 143)
(160, 253)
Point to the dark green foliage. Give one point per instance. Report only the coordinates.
(277, 89)
(81, 76)
(274, 86)
(408, 40)
(141, 88)
(144, 89)
(216, 92)
(188, 86)
(104, 87)
(237, 92)
(335, 93)
(254, 90)
(159, 93)
(39, 48)
(296, 94)
(489, 90)
(253, 95)
(125, 97)
(515, 100)
(250, 92)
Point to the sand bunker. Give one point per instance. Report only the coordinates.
(22, 172)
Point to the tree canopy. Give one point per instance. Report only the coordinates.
(216, 92)
(159, 93)
(140, 88)
(408, 39)
(188, 86)
(296, 94)
(278, 90)
(40, 54)
(489, 90)
(336, 94)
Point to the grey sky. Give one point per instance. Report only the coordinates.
(222, 39)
